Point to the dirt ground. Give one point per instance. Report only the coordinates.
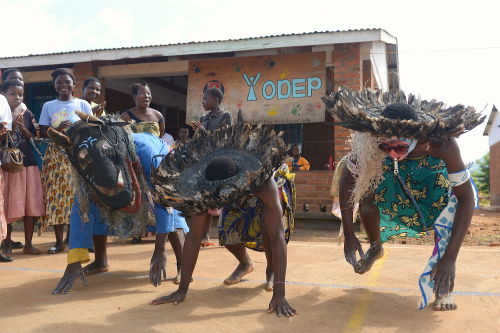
(328, 295)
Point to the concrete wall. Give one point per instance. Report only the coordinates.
(495, 174)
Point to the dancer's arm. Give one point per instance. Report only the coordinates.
(273, 217)
(443, 272)
(189, 258)
(158, 261)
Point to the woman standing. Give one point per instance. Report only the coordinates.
(23, 195)
(56, 170)
(146, 119)
(91, 92)
(14, 74)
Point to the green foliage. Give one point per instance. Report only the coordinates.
(481, 175)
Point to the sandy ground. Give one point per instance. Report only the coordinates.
(328, 295)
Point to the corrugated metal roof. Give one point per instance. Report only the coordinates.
(199, 42)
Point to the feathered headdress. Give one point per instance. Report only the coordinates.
(361, 111)
(187, 181)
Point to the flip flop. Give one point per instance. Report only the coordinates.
(135, 240)
(54, 250)
(4, 258)
(16, 245)
(205, 244)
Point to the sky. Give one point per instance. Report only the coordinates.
(448, 50)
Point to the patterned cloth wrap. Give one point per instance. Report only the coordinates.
(242, 225)
(146, 127)
(432, 187)
(443, 228)
(427, 179)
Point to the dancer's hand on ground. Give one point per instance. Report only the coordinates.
(175, 297)
(73, 272)
(158, 266)
(280, 304)
(443, 274)
(351, 245)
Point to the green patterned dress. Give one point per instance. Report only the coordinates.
(427, 179)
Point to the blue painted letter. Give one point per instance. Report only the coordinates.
(288, 89)
(295, 90)
(273, 91)
(310, 86)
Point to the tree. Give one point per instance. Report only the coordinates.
(481, 176)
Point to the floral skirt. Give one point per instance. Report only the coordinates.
(242, 225)
(58, 194)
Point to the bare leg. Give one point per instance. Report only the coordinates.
(245, 266)
(189, 257)
(7, 242)
(273, 217)
(29, 226)
(59, 231)
(176, 239)
(66, 240)
(205, 240)
(370, 217)
(268, 250)
(100, 264)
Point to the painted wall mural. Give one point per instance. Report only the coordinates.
(275, 89)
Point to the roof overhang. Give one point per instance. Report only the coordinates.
(316, 39)
(490, 121)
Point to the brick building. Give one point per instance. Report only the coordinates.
(353, 58)
(492, 130)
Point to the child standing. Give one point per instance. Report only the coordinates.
(23, 195)
(212, 98)
(56, 171)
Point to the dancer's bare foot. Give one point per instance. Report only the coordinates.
(269, 279)
(375, 252)
(95, 268)
(30, 249)
(239, 273)
(445, 303)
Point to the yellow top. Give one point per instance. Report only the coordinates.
(93, 105)
(302, 163)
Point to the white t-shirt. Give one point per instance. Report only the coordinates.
(5, 114)
(169, 140)
(56, 111)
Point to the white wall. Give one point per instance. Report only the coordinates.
(494, 135)
(379, 64)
